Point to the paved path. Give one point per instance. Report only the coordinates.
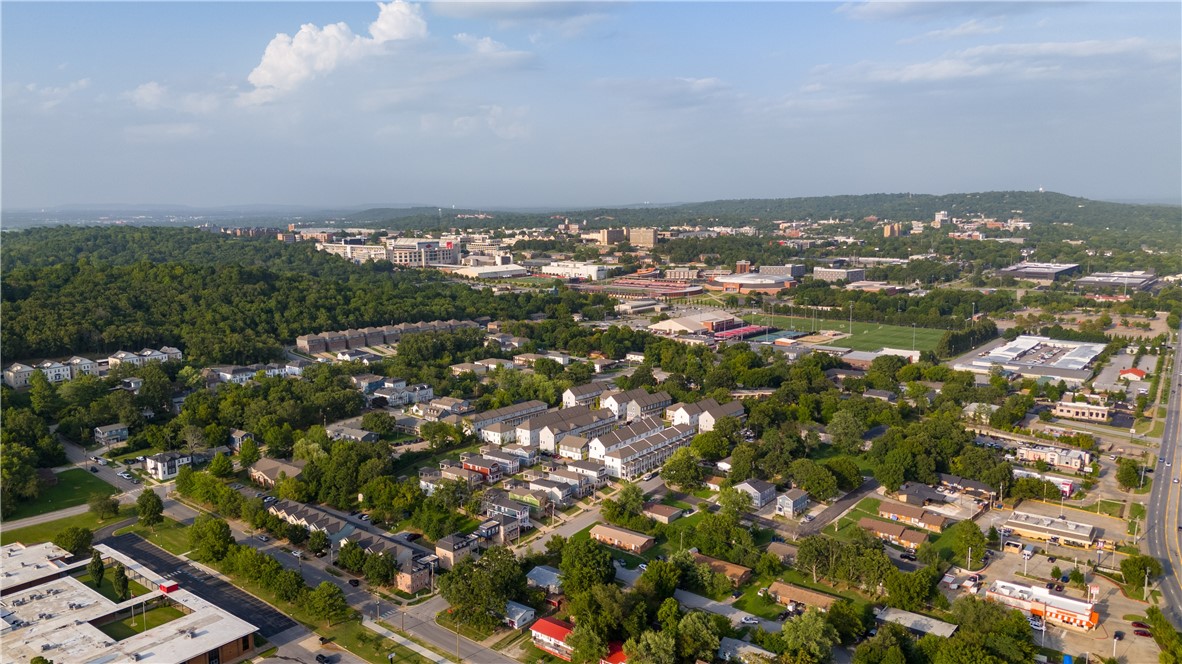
(426, 654)
(838, 508)
(1163, 512)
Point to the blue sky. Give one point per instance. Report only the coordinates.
(564, 104)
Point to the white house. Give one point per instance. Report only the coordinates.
(166, 465)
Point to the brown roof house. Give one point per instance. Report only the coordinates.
(786, 594)
(895, 533)
(267, 472)
(736, 573)
(661, 513)
(621, 538)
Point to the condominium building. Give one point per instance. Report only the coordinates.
(645, 238)
(647, 453)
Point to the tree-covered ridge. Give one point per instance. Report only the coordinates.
(229, 313)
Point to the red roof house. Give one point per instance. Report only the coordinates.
(550, 635)
(1133, 373)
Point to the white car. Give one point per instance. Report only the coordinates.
(750, 620)
(642, 566)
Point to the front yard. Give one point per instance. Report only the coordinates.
(74, 487)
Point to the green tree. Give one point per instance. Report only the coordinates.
(289, 585)
(18, 476)
(652, 648)
(327, 602)
(554, 545)
(697, 637)
(683, 470)
(149, 508)
(96, 569)
(104, 507)
(221, 466)
(585, 563)
(351, 556)
(1128, 473)
(381, 569)
(846, 431)
(210, 538)
(588, 645)
(317, 541)
(734, 503)
(74, 539)
(43, 396)
(669, 614)
(848, 620)
(966, 538)
(1135, 568)
(815, 479)
(809, 638)
(845, 470)
(119, 582)
(248, 453)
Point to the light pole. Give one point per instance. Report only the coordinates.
(1114, 647)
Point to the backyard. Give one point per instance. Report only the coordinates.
(74, 487)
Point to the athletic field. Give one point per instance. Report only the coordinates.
(866, 336)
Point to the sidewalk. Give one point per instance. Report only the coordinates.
(400, 640)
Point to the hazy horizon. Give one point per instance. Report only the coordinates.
(566, 105)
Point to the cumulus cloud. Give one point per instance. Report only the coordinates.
(153, 96)
(289, 61)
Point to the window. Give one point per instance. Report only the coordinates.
(246, 643)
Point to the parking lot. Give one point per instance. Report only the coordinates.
(210, 588)
(1112, 606)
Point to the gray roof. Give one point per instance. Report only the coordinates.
(545, 576)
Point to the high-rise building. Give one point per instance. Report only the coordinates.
(742, 267)
(611, 236)
(643, 237)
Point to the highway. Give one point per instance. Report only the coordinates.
(1163, 516)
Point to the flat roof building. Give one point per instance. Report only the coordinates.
(1137, 280)
(839, 274)
(1043, 603)
(916, 623)
(1047, 528)
(1041, 272)
(1035, 357)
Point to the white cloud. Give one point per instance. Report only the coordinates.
(483, 45)
(50, 96)
(290, 61)
(967, 29)
(1079, 49)
(153, 96)
(504, 123)
(676, 93)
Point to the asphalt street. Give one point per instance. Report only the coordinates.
(1163, 510)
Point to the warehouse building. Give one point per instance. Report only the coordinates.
(1039, 272)
(1050, 529)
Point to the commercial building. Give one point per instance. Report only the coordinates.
(508, 271)
(1059, 457)
(621, 538)
(838, 274)
(918, 624)
(575, 270)
(1034, 357)
(58, 617)
(1050, 529)
(1122, 281)
(683, 273)
(794, 270)
(413, 252)
(1044, 603)
(645, 238)
(705, 322)
(752, 282)
(1044, 273)
(1087, 412)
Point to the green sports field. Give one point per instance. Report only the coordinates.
(866, 336)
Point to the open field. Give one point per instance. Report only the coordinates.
(44, 532)
(74, 487)
(866, 336)
(172, 536)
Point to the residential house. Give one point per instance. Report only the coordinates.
(528, 456)
(493, 363)
(499, 433)
(17, 375)
(110, 434)
(237, 437)
(499, 530)
(491, 469)
(596, 472)
(501, 506)
(965, 485)
(367, 383)
(545, 577)
(621, 538)
(574, 447)
(468, 367)
(785, 552)
(55, 372)
(454, 548)
(790, 595)
(714, 482)
(166, 465)
(761, 492)
(734, 650)
(581, 485)
(709, 417)
(512, 415)
(82, 366)
(582, 395)
(517, 615)
(339, 432)
(450, 470)
(913, 515)
(549, 635)
(895, 533)
(661, 513)
(881, 395)
(558, 492)
(737, 574)
(510, 463)
(267, 472)
(792, 503)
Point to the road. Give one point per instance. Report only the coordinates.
(1163, 516)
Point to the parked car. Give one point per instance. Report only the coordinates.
(321, 554)
(750, 620)
(354, 582)
(94, 469)
(298, 554)
(642, 566)
(1058, 587)
(908, 556)
(322, 659)
(808, 518)
(263, 538)
(1140, 625)
(1142, 632)
(1050, 585)
(364, 517)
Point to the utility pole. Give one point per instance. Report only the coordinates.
(969, 560)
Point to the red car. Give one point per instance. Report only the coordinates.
(1142, 632)
(1140, 625)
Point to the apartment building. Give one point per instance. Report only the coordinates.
(913, 515)
(512, 415)
(634, 404)
(647, 454)
(621, 538)
(599, 446)
(895, 533)
(582, 395)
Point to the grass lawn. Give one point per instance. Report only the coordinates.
(753, 603)
(402, 466)
(1111, 507)
(172, 536)
(444, 619)
(127, 627)
(866, 336)
(107, 588)
(74, 487)
(672, 502)
(1136, 511)
(44, 532)
(533, 655)
(824, 452)
(670, 540)
(848, 524)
